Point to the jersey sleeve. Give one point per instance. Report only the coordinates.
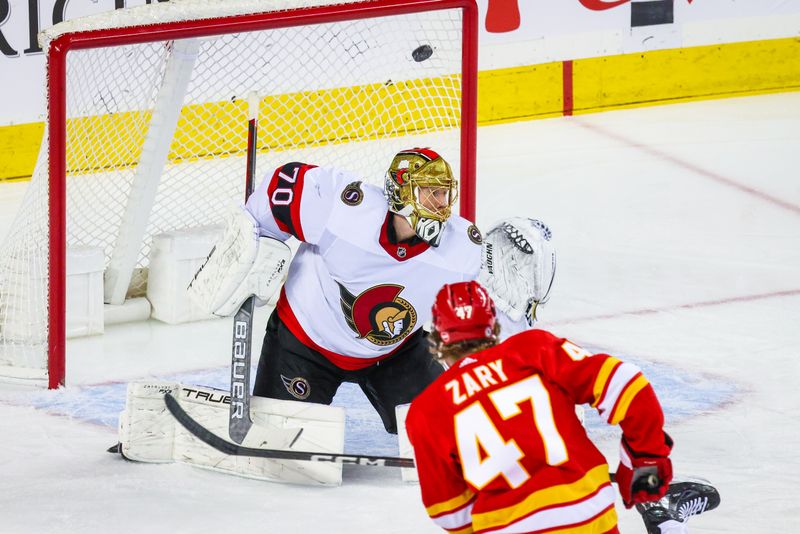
(295, 200)
(447, 498)
(618, 390)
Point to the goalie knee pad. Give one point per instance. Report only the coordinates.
(149, 433)
(241, 264)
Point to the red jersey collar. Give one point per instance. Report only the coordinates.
(403, 250)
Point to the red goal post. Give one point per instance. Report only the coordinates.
(180, 25)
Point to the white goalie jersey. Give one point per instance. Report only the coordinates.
(353, 293)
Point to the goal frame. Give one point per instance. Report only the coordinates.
(57, 103)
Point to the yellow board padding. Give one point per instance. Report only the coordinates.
(520, 93)
(684, 74)
(504, 95)
(19, 148)
(294, 120)
(324, 117)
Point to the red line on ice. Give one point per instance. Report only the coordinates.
(689, 306)
(691, 167)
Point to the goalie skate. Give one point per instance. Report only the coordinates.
(684, 498)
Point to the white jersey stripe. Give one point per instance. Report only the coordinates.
(563, 516)
(455, 520)
(622, 377)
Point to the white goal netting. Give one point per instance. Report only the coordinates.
(156, 133)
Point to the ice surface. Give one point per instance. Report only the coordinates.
(678, 235)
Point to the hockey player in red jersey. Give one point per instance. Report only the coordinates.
(497, 444)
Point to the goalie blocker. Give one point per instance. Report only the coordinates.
(241, 264)
(149, 433)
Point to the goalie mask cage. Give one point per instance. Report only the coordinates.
(147, 130)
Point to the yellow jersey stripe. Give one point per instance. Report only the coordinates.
(623, 375)
(450, 504)
(543, 498)
(575, 515)
(626, 398)
(598, 525)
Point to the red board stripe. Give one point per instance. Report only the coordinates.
(567, 87)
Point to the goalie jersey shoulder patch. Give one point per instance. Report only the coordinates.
(474, 234)
(352, 195)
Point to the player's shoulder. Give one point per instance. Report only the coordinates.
(532, 348)
(358, 209)
(357, 194)
(460, 246)
(534, 337)
(344, 187)
(328, 179)
(463, 232)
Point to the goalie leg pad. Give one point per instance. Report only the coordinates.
(146, 428)
(149, 433)
(406, 450)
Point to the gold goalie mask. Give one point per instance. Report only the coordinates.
(420, 187)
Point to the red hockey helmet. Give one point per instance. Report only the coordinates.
(464, 311)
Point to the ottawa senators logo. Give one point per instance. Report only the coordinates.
(474, 234)
(298, 387)
(352, 194)
(379, 314)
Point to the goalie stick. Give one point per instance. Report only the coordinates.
(239, 421)
(233, 449)
(648, 483)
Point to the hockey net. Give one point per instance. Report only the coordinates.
(147, 130)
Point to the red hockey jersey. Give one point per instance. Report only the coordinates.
(499, 448)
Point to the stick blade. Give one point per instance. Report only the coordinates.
(238, 429)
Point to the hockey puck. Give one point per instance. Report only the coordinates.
(422, 52)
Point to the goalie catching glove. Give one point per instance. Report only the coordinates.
(518, 266)
(241, 264)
